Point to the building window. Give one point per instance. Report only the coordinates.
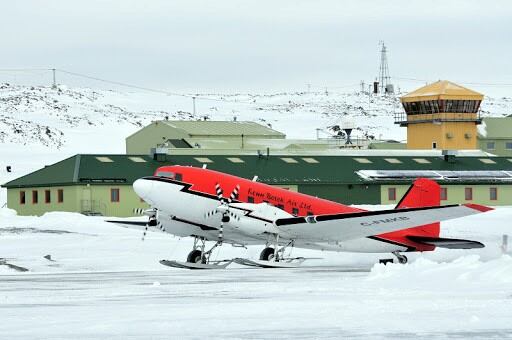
(468, 194)
(47, 196)
(444, 194)
(34, 197)
(22, 197)
(493, 194)
(434, 145)
(114, 195)
(508, 145)
(250, 199)
(295, 211)
(491, 145)
(60, 195)
(392, 194)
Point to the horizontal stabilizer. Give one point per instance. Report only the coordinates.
(349, 226)
(450, 243)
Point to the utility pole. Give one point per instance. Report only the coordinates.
(309, 87)
(54, 86)
(362, 86)
(194, 105)
(383, 69)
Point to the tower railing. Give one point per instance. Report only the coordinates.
(404, 119)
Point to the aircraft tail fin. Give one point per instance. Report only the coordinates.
(422, 193)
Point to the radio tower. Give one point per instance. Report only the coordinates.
(384, 78)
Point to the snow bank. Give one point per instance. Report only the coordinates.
(6, 212)
(466, 271)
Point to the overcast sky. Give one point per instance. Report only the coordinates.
(260, 45)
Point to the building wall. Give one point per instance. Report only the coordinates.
(70, 202)
(128, 200)
(344, 193)
(456, 194)
(499, 146)
(80, 198)
(148, 137)
(421, 135)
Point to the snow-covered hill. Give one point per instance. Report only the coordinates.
(62, 118)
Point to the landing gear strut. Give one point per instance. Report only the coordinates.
(402, 259)
(274, 254)
(198, 255)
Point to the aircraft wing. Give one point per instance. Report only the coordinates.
(344, 227)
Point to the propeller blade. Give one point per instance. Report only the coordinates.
(145, 231)
(234, 194)
(218, 191)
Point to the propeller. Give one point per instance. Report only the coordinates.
(152, 220)
(223, 209)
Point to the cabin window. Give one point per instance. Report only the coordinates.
(444, 194)
(165, 174)
(250, 199)
(22, 197)
(60, 195)
(309, 213)
(392, 194)
(47, 196)
(178, 177)
(114, 195)
(493, 194)
(280, 206)
(468, 194)
(34, 197)
(295, 212)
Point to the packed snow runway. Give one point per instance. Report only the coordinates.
(101, 281)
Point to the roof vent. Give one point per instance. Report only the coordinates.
(159, 154)
(449, 155)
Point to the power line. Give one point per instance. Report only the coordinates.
(462, 82)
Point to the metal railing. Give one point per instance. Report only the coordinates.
(404, 119)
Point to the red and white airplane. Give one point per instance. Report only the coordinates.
(189, 201)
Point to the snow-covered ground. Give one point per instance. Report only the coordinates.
(103, 282)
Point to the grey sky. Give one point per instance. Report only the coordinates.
(260, 45)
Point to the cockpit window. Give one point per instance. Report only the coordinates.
(167, 174)
(178, 177)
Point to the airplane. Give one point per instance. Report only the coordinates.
(189, 201)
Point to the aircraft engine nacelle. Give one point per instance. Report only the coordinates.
(256, 219)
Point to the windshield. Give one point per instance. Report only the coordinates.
(167, 174)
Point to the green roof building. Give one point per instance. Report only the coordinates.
(187, 134)
(102, 184)
(495, 135)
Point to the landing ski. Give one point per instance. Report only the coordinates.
(285, 263)
(189, 265)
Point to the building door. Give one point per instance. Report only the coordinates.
(86, 205)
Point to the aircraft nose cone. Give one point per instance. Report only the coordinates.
(142, 187)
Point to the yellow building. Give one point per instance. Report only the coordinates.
(441, 115)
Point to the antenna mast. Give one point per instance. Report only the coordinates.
(384, 78)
